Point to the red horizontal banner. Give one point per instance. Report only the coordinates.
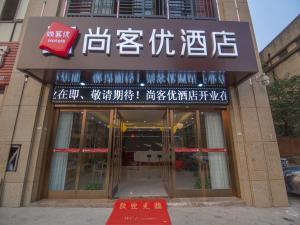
(187, 150)
(100, 150)
(87, 150)
(66, 150)
(213, 149)
(105, 150)
(139, 211)
(200, 149)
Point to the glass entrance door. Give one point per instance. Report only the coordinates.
(139, 153)
(200, 153)
(142, 144)
(169, 153)
(78, 167)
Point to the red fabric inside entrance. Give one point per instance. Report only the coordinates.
(139, 211)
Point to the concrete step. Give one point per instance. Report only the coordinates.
(108, 203)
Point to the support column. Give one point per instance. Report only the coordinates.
(255, 145)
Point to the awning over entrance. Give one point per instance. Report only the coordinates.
(138, 45)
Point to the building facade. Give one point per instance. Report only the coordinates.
(280, 61)
(281, 56)
(113, 99)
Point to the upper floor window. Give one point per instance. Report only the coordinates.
(9, 9)
(143, 8)
(13, 9)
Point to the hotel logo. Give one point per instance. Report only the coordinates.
(59, 39)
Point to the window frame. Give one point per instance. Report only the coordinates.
(15, 13)
(164, 11)
(15, 165)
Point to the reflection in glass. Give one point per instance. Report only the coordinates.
(96, 130)
(94, 156)
(63, 164)
(93, 171)
(184, 129)
(187, 158)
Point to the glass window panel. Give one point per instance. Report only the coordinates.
(216, 163)
(188, 171)
(103, 7)
(22, 9)
(184, 129)
(97, 129)
(9, 10)
(94, 157)
(1, 5)
(205, 162)
(70, 174)
(13, 158)
(180, 8)
(93, 171)
(64, 164)
(187, 160)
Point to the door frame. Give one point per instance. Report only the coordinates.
(76, 193)
(172, 192)
(199, 144)
(115, 152)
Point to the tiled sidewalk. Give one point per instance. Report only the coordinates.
(180, 215)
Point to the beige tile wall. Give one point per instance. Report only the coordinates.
(21, 187)
(255, 146)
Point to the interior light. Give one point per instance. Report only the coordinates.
(82, 83)
(200, 85)
(142, 84)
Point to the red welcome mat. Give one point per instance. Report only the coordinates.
(139, 211)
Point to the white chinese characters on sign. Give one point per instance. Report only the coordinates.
(66, 94)
(58, 34)
(163, 37)
(185, 95)
(139, 95)
(128, 44)
(97, 42)
(193, 42)
(228, 41)
(114, 95)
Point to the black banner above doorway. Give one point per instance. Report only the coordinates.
(139, 95)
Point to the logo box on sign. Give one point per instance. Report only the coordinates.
(58, 39)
